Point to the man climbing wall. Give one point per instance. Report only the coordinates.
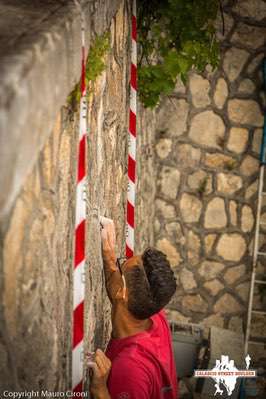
(139, 361)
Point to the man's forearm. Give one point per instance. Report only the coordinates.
(109, 264)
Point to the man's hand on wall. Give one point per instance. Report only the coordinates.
(108, 241)
(101, 368)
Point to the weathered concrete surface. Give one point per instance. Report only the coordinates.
(37, 255)
(36, 250)
(40, 51)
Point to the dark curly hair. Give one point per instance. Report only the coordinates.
(150, 287)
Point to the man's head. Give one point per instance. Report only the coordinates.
(150, 283)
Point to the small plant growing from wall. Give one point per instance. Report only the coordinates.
(230, 165)
(175, 36)
(203, 186)
(95, 65)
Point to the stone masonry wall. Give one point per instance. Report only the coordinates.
(208, 135)
(37, 238)
(146, 178)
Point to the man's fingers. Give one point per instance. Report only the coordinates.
(108, 229)
(99, 371)
(105, 221)
(100, 364)
(106, 361)
(102, 361)
(94, 367)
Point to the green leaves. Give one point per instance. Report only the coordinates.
(94, 67)
(95, 63)
(174, 37)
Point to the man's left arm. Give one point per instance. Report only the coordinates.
(108, 247)
(101, 369)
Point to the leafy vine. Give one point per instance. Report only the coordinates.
(95, 65)
(175, 36)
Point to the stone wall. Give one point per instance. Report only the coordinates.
(37, 234)
(208, 136)
(146, 178)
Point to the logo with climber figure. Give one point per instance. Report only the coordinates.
(225, 374)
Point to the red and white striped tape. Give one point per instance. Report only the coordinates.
(79, 258)
(80, 225)
(132, 132)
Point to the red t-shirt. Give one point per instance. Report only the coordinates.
(143, 365)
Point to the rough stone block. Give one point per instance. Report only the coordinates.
(214, 286)
(163, 148)
(218, 160)
(251, 190)
(172, 117)
(164, 209)
(246, 87)
(221, 93)
(233, 212)
(249, 166)
(210, 269)
(194, 303)
(190, 207)
(245, 112)
(255, 9)
(234, 273)
(257, 140)
(187, 280)
(206, 129)
(228, 183)
(249, 36)
(174, 230)
(215, 216)
(227, 304)
(193, 246)
(238, 138)
(247, 219)
(199, 88)
(234, 61)
(231, 247)
(169, 249)
(187, 156)
(169, 180)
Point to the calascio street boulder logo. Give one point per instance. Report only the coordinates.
(225, 374)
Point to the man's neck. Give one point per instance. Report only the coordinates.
(125, 325)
